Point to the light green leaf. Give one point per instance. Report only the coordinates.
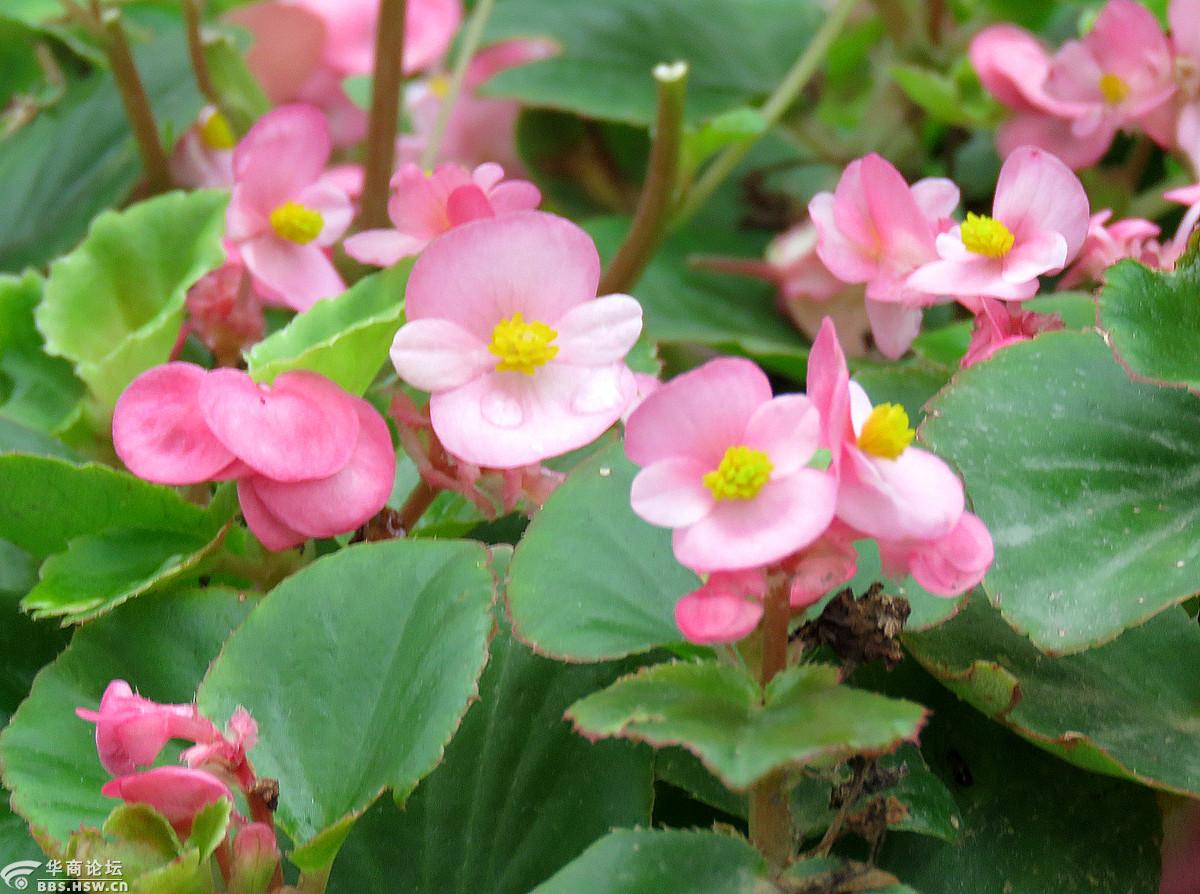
(1087, 482)
(344, 338)
(591, 581)
(358, 670)
(114, 306)
(741, 733)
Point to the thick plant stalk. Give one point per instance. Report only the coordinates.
(770, 816)
(385, 114)
(777, 103)
(135, 101)
(470, 42)
(654, 206)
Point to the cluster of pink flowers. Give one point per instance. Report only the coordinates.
(731, 470)
(310, 460)
(131, 732)
(1124, 73)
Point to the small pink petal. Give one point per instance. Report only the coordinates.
(382, 248)
(283, 153)
(716, 617)
(978, 275)
(893, 326)
(297, 276)
(437, 355)
(349, 498)
(302, 427)
(846, 259)
(467, 203)
(1038, 254)
(598, 332)
(1037, 193)
(158, 431)
(787, 429)
(177, 793)
(957, 562)
(514, 195)
(270, 530)
(698, 414)
(912, 497)
(828, 389)
(334, 206)
(937, 197)
(287, 45)
(670, 493)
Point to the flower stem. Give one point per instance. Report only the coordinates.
(385, 113)
(133, 98)
(470, 42)
(658, 194)
(770, 816)
(777, 103)
(418, 501)
(192, 15)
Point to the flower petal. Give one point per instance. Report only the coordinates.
(297, 276)
(787, 429)
(829, 389)
(158, 431)
(1037, 193)
(671, 493)
(787, 515)
(282, 154)
(913, 497)
(1039, 254)
(708, 617)
(304, 426)
(957, 562)
(437, 355)
(271, 532)
(893, 326)
(382, 248)
(599, 332)
(698, 414)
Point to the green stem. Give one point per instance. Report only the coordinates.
(470, 42)
(385, 114)
(770, 816)
(192, 10)
(133, 98)
(654, 206)
(314, 882)
(777, 103)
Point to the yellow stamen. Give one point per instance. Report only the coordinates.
(886, 433)
(1114, 88)
(986, 236)
(741, 475)
(297, 223)
(216, 132)
(439, 86)
(522, 347)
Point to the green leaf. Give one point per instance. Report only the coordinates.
(708, 138)
(683, 304)
(114, 305)
(16, 438)
(209, 826)
(741, 733)
(344, 338)
(1153, 321)
(358, 670)
(142, 825)
(518, 795)
(1029, 823)
(1126, 708)
(591, 581)
(25, 645)
(36, 390)
(98, 572)
(610, 46)
(160, 644)
(242, 98)
(1087, 481)
(910, 383)
(667, 861)
(49, 502)
(79, 157)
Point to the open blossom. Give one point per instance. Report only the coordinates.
(876, 229)
(726, 466)
(310, 460)
(423, 207)
(203, 156)
(726, 608)
(1072, 104)
(1038, 224)
(283, 214)
(521, 359)
(945, 566)
(887, 488)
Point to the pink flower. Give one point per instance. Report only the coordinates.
(350, 25)
(887, 489)
(203, 157)
(480, 128)
(726, 608)
(998, 325)
(310, 459)
(1108, 243)
(282, 214)
(522, 361)
(132, 730)
(1119, 73)
(947, 566)
(224, 312)
(1038, 225)
(830, 562)
(178, 793)
(423, 207)
(875, 229)
(726, 466)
